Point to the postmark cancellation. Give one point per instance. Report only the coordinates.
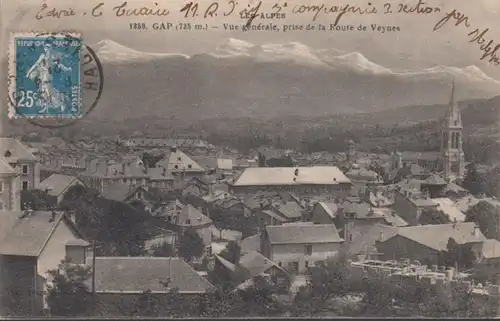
(45, 75)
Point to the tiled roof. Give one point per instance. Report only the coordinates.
(13, 150)
(117, 192)
(190, 216)
(366, 236)
(5, 168)
(436, 236)
(255, 263)
(330, 208)
(289, 210)
(27, 236)
(316, 175)
(449, 208)
(56, 184)
(274, 215)
(303, 233)
(251, 243)
(138, 274)
(435, 180)
(177, 161)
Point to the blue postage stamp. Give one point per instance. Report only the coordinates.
(47, 76)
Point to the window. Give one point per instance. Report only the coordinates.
(307, 264)
(25, 185)
(308, 249)
(25, 169)
(280, 263)
(188, 221)
(139, 194)
(1, 186)
(124, 181)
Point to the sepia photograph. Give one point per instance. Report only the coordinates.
(249, 159)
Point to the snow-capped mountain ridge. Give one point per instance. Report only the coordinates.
(296, 52)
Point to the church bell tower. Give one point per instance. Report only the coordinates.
(451, 142)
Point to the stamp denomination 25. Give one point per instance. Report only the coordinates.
(47, 76)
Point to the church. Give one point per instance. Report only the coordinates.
(450, 159)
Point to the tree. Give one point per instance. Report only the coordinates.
(447, 301)
(433, 217)
(147, 305)
(67, 294)
(232, 252)
(474, 181)
(331, 277)
(458, 254)
(262, 160)
(150, 159)
(163, 249)
(285, 161)
(258, 299)
(37, 200)
(191, 245)
(487, 217)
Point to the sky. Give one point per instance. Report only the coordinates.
(415, 46)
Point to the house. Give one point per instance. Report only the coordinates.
(362, 179)
(488, 261)
(448, 207)
(126, 194)
(268, 217)
(253, 264)
(180, 165)
(224, 166)
(426, 243)
(56, 185)
(302, 181)
(251, 243)
(32, 243)
(9, 187)
(297, 246)
(21, 157)
(119, 281)
(181, 217)
(324, 213)
(362, 238)
(409, 204)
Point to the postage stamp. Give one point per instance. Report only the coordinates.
(46, 72)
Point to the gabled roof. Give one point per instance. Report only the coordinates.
(117, 192)
(330, 208)
(316, 175)
(56, 184)
(434, 180)
(251, 243)
(228, 265)
(303, 233)
(28, 236)
(6, 169)
(289, 210)
(190, 216)
(177, 161)
(13, 150)
(436, 236)
(274, 215)
(449, 209)
(256, 263)
(138, 274)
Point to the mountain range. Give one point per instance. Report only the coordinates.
(240, 79)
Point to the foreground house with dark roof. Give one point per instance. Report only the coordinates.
(120, 281)
(56, 185)
(302, 181)
(31, 243)
(297, 246)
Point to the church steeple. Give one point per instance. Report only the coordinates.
(453, 117)
(451, 144)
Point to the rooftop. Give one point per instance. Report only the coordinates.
(316, 175)
(303, 233)
(138, 274)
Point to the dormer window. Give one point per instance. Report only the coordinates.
(7, 154)
(25, 169)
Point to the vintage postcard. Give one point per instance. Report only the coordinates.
(250, 158)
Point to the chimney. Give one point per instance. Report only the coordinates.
(52, 217)
(173, 149)
(476, 231)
